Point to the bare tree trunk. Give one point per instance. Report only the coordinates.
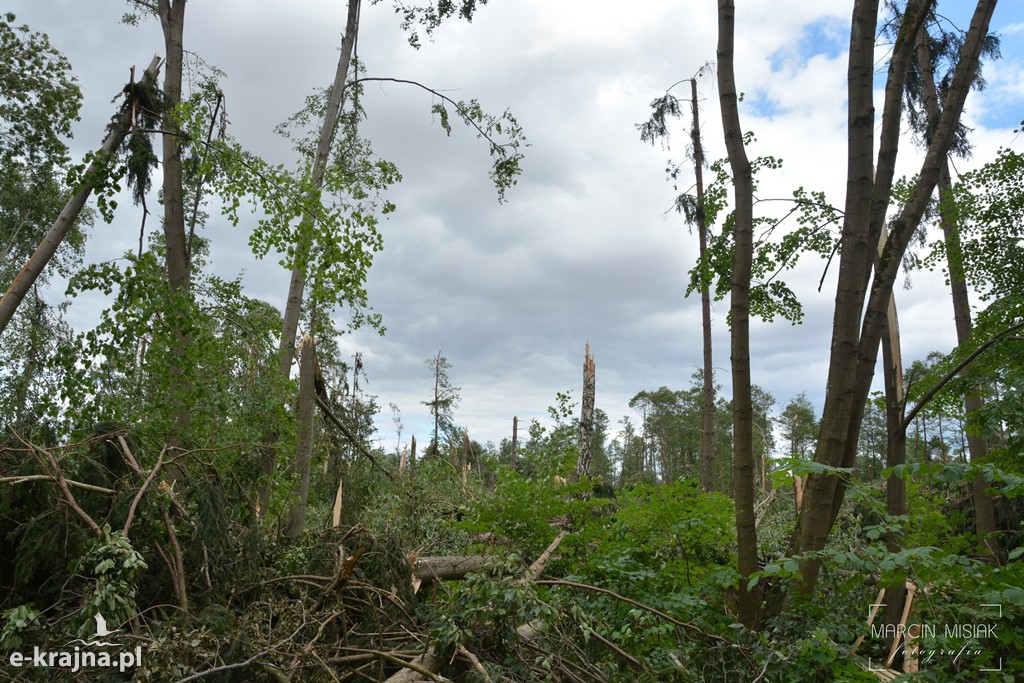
(172, 21)
(515, 437)
(707, 444)
(335, 103)
(55, 235)
(743, 413)
(586, 432)
(984, 507)
(896, 453)
(293, 305)
(304, 449)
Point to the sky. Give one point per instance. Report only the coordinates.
(585, 248)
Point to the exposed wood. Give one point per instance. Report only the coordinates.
(447, 567)
(586, 429)
(304, 449)
(96, 172)
(336, 510)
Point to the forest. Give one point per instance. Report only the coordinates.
(195, 486)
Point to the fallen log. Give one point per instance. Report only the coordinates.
(429, 660)
(447, 567)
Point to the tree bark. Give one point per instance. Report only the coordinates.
(984, 507)
(293, 305)
(743, 414)
(304, 449)
(335, 102)
(707, 444)
(586, 431)
(172, 21)
(21, 285)
(855, 341)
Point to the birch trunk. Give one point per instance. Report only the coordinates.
(707, 443)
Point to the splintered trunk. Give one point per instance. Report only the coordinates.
(586, 431)
(896, 453)
(293, 304)
(58, 231)
(304, 449)
(743, 412)
(707, 443)
(515, 436)
(984, 507)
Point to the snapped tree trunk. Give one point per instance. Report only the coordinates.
(304, 449)
(743, 412)
(293, 305)
(59, 229)
(984, 507)
(707, 443)
(586, 431)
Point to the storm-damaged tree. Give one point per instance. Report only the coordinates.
(442, 405)
(39, 99)
(586, 427)
(923, 90)
(739, 313)
(692, 208)
(865, 277)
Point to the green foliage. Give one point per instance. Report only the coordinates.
(20, 625)
(114, 567)
(39, 96)
(775, 251)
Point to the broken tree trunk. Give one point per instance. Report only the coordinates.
(304, 450)
(96, 172)
(586, 432)
(447, 567)
(429, 660)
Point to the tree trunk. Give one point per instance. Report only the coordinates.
(304, 449)
(515, 437)
(335, 102)
(743, 413)
(293, 305)
(55, 235)
(707, 443)
(984, 507)
(172, 21)
(855, 341)
(896, 454)
(586, 432)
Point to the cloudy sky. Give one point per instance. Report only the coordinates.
(584, 249)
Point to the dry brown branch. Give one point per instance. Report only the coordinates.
(247, 662)
(68, 496)
(142, 489)
(178, 573)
